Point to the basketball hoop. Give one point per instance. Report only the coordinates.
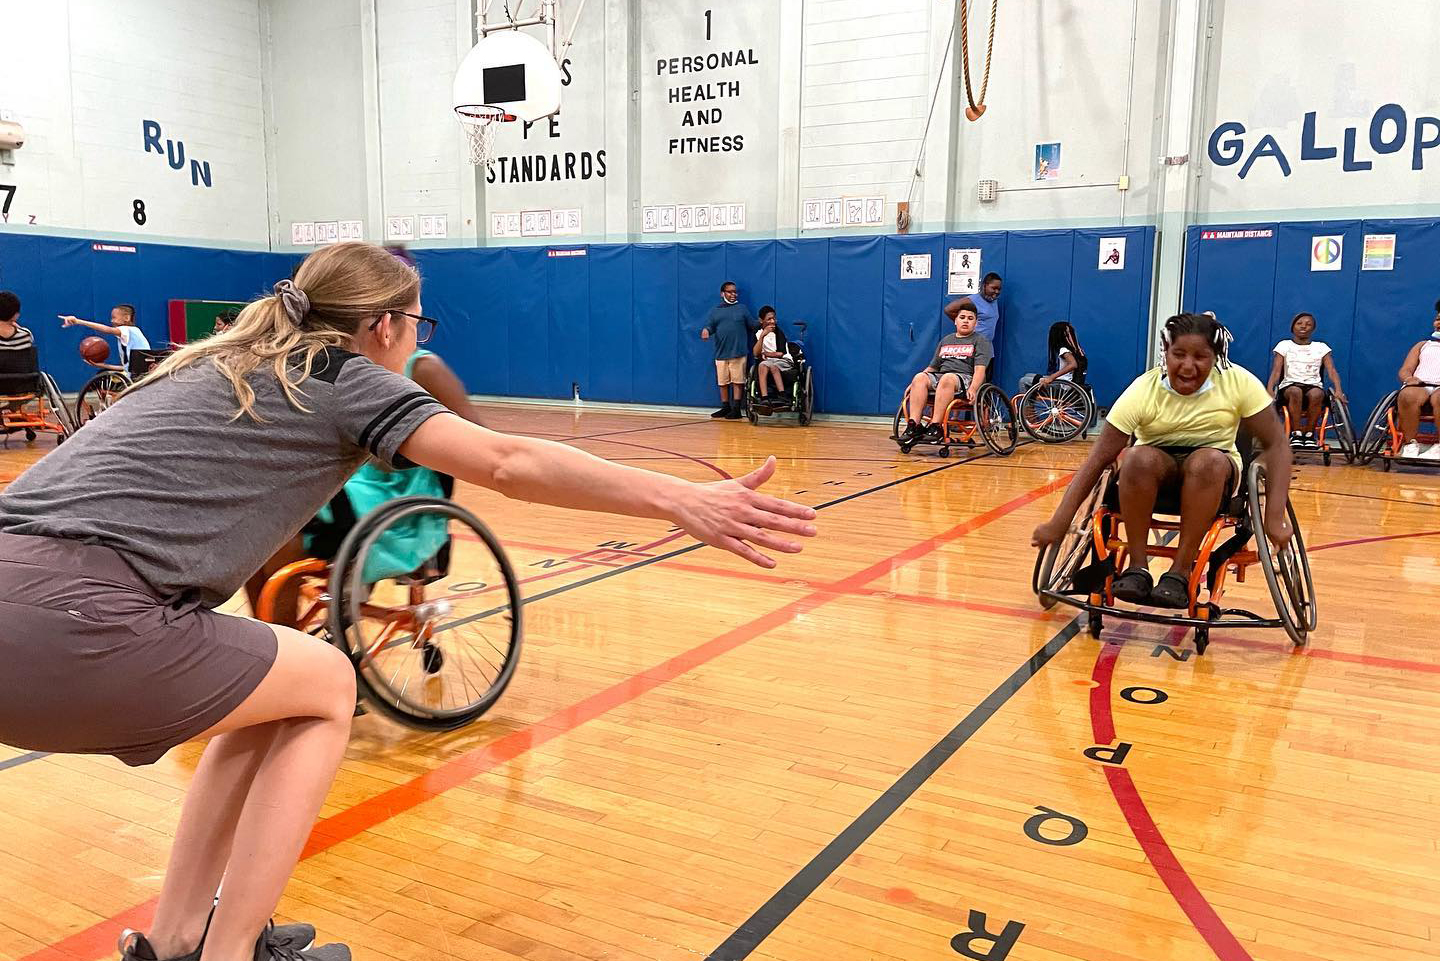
(480, 123)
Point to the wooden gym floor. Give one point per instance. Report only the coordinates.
(850, 757)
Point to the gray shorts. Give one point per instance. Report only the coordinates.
(95, 663)
(935, 382)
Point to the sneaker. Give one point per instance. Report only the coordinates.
(1311, 441)
(908, 432)
(934, 432)
(1294, 438)
(1411, 449)
(1431, 453)
(734, 413)
(268, 950)
(134, 946)
(722, 412)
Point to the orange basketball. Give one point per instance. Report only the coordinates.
(95, 350)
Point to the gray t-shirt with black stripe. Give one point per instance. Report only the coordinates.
(196, 501)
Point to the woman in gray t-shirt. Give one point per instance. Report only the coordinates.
(116, 548)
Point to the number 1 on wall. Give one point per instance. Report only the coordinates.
(707, 24)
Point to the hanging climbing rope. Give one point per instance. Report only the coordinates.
(976, 108)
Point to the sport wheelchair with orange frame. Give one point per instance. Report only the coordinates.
(105, 387)
(1080, 568)
(422, 599)
(1334, 420)
(30, 400)
(991, 417)
(1056, 412)
(1382, 434)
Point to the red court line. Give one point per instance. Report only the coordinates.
(1371, 540)
(98, 939)
(1201, 914)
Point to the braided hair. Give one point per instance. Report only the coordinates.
(1216, 334)
(1063, 335)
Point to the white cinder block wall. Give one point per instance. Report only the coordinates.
(83, 76)
(319, 110)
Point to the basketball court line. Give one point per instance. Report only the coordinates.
(1182, 888)
(97, 939)
(749, 935)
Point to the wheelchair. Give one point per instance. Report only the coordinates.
(991, 417)
(30, 400)
(799, 381)
(1080, 568)
(1334, 420)
(105, 387)
(434, 644)
(1056, 412)
(1382, 434)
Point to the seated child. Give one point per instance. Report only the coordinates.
(1420, 380)
(959, 364)
(1066, 361)
(1297, 369)
(771, 348)
(122, 325)
(1183, 418)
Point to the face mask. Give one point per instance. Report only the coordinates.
(1209, 383)
(1435, 335)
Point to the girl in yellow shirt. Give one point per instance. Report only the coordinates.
(1183, 418)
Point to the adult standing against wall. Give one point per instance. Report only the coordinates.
(729, 324)
(987, 310)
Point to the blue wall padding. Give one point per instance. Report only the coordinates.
(849, 371)
(1370, 318)
(613, 358)
(623, 320)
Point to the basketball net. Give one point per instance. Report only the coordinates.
(480, 124)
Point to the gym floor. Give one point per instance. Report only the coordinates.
(875, 751)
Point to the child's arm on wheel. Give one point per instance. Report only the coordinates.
(1407, 369)
(1108, 447)
(1277, 368)
(1334, 375)
(1266, 428)
(730, 514)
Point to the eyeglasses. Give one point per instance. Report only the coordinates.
(424, 326)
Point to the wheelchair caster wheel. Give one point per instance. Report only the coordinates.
(1202, 639)
(1385, 464)
(906, 448)
(1326, 458)
(29, 434)
(432, 657)
(1095, 624)
(944, 452)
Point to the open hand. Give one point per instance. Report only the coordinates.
(732, 515)
(705, 333)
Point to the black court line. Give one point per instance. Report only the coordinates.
(783, 903)
(23, 759)
(695, 547)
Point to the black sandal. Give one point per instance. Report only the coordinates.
(1172, 590)
(1133, 586)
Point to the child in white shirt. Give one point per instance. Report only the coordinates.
(1297, 369)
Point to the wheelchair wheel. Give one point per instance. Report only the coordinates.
(56, 400)
(99, 393)
(1055, 413)
(1377, 430)
(900, 418)
(1287, 569)
(996, 419)
(1057, 563)
(433, 648)
(807, 398)
(1344, 430)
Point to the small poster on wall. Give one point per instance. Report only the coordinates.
(914, 266)
(1326, 251)
(302, 234)
(565, 221)
(1047, 161)
(964, 272)
(1379, 252)
(1112, 253)
(352, 230)
(812, 215)
(399, 228)
(658, 220)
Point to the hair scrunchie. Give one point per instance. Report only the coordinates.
(294, 300)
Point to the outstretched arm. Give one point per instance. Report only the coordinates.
(1107, 448)
(69, 320)
(730, 514)
(1266, 428)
